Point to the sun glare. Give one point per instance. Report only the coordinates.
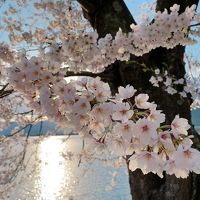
(53, 174)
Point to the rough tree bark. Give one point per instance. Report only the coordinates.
(106, 16)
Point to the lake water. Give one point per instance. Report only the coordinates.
(56, 176)
(53, 173)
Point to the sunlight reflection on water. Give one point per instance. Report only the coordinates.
(57, 177)
(52, 171)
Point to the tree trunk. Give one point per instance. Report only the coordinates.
(106, 16)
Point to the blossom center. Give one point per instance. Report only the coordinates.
(123, 112)
(83, 105)
(126, 127)
(188, 154)
(145, 128)
(148, 156)
(164, 136)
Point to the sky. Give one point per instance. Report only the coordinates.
(138, 7)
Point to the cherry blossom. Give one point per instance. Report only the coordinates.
(165, 139)
(141, 101)
(179, 126)
(125, 130)
(117, 125)
(146, 131)
(172, 85)
(125, 93)
(183, 161)
(122, 112)
(147, 162)
(156, 116)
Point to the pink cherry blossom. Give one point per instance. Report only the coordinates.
(118, 146)
(146, 132)
(185, 160)
(122, 112)
(166, 140)
(179, 126)
(125, 93)
(141, 101)
(156, 116)
(125, 130)
(147, 162)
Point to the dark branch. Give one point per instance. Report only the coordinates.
(24, 113)
(198, 24)
(6, 93)
(107, 75)
(82, 73)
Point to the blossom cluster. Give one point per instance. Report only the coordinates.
(84, 50)
(167, 30)
(126, 124)
(172, 85)
(193, 87)
(58, 18)
(169, 83)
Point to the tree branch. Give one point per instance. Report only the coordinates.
(198, 24)
(6, 93)
(82, 73)
(107, 75)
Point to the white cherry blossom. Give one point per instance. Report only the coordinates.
(122, 112)
(125, 130)
(147, 162)
(118, 146)
(166, 140)
(156, 116)
(125, 93)
(141, 101)
(179, 126)
(146, 131)
(185, 160)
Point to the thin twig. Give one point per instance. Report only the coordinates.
(24, 113)
(40, 131)
(198, 24)
(83, 73)
(80, 160)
